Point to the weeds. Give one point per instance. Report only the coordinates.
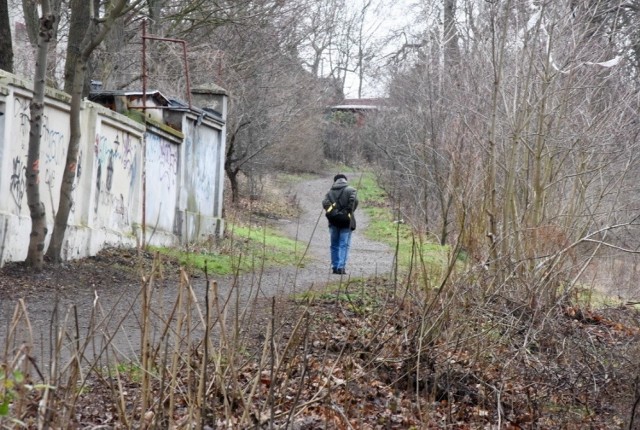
(354, 356)
(432, 348)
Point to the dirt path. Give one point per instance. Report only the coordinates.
(366, 257)
(117, 313)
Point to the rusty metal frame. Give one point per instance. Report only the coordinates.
(146, 37)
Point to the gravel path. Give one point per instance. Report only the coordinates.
(120, 301)
(366, 257)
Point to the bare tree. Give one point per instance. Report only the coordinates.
(515, 152)
(252, 49)
(6, 48)
(283, 127)
(266, 100)
(35, 254)
(32, 24)
(423, 135)
(363, 42)
(318, 32)
(88, 38)
(31, 20)
(82, 13)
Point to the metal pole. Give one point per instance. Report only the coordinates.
(184, 59)
(144, 110)
(186, 67)
(144, 134)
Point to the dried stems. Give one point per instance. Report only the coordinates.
(426, 352)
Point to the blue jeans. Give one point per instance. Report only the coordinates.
(340, 243)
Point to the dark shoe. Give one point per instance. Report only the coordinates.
(335, 271)
(341, 272)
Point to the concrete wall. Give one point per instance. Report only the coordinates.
(183, 178)
(163, 156)
(203, 180)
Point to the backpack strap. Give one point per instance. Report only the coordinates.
(337, 200)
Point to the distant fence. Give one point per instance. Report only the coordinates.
(183, 170)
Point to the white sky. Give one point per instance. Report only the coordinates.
(387, 18)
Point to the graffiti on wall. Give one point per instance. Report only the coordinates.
(162, 157)
(114, 154)
(22, 115)
(121, 210)
(119, 149)
(203, 173)
(52, 141)
(53, 146)
(161, 166)
(18, 181)
(127, 151)
(98, 182)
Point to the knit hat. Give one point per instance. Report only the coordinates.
(338, 176)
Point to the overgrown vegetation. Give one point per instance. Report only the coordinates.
(413, 248)
(360, 356)
(361, 353)
(509, 138)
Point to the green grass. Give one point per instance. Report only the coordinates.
(244, 248)
(133, 371)
(8, 389)
(215, 263)
(369, 193)
(267, 243)
(384, 228)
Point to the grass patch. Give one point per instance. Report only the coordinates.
(369, 193)
(244, 248)
(132, 371)
(217, 263)
(267, 243)
(385, 228)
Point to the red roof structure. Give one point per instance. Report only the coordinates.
(360, 104)
(359, 107)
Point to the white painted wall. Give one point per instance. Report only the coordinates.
(183, 179)
(203, 179)
(162, 152)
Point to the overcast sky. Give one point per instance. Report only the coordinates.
(389, 18)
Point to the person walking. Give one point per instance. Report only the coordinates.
(340, 204)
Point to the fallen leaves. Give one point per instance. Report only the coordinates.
(368, 367)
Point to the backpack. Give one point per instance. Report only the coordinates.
(337, 215)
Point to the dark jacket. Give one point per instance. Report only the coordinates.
(348, 198)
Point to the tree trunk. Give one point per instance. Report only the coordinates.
(499, 37)
(233, 181)
(75, 78)
(31, 21)
(6, 48)
(78, 28)
(54, 252)
(32, 24)
(451, 48)
(35, 255)
(229, 164)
